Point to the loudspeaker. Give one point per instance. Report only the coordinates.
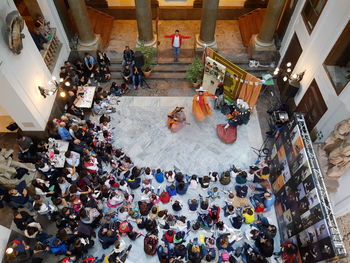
(139, 60)
(291, 91)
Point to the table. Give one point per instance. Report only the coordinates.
(85, 100)
(58, 159)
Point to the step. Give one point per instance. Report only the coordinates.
(161, 67)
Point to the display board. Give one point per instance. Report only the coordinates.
(303, 218)
(214, 73)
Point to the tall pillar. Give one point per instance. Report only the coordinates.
(264, 41)
(87, 37)
(208, 24)
(144, 23)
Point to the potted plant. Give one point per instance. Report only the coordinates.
(195, 72)
(149, 53)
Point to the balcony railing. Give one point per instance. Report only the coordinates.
(52, 50)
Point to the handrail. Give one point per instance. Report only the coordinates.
(50, 54)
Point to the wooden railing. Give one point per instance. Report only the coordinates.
(52, 50)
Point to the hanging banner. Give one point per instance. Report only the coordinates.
(237, 82)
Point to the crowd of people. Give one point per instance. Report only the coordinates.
(101, 195)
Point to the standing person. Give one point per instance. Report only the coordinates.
(176, 41)
(219, 97)
(25, 143)
(89, 62)
(200, 106)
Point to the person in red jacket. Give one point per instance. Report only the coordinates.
(176, 42)
(168, 237)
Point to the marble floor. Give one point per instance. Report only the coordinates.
(142, 132)
(227, 35)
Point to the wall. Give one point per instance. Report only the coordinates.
(174, 3)
(20, 75)
(3, 112)
(316, 48)
(4, 238)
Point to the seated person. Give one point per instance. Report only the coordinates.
(127, 74)
(106, 74)
(264, 197)
(176, 119)
(102, 107)
(38, 38)
(128, 56)
(248, 215)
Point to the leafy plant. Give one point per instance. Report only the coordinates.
(149, 54)
(195, 71)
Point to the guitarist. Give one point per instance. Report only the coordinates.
(176, 119)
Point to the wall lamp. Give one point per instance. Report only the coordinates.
(286, 74)
(54, 87)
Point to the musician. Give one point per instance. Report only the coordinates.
(200, 105)
(176, 119)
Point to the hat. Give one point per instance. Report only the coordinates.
(200, 89)
(225, 256)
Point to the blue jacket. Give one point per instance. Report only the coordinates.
(61, 249)
(20, 199)
(64, 134)
(192, 207)
(170, 191)
(181, 191)
(159, 177)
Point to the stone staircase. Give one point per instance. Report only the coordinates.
(161, 71)
(171, 71)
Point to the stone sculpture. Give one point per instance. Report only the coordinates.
(335, 154)
(8, 168)
(15, 25)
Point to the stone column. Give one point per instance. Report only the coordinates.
(144, 23)
(264, 41)
(87, 37)
(208, 24)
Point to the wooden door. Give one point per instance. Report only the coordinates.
(312, 105)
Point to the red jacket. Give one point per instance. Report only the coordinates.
(169, 238)
(164, 197)
(172, 36)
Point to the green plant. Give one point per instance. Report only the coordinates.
(149, 54)
(195, 71)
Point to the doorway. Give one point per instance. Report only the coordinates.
(312, 105)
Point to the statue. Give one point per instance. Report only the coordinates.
(15, 25)
(8, 168)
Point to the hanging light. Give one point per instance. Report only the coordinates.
(63, 94)
(294, 76)
(285, 78)
(67, 83)
(53, 78)
(289, 64)
(289, 70)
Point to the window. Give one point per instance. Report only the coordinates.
(337, 64)
(311, 12)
